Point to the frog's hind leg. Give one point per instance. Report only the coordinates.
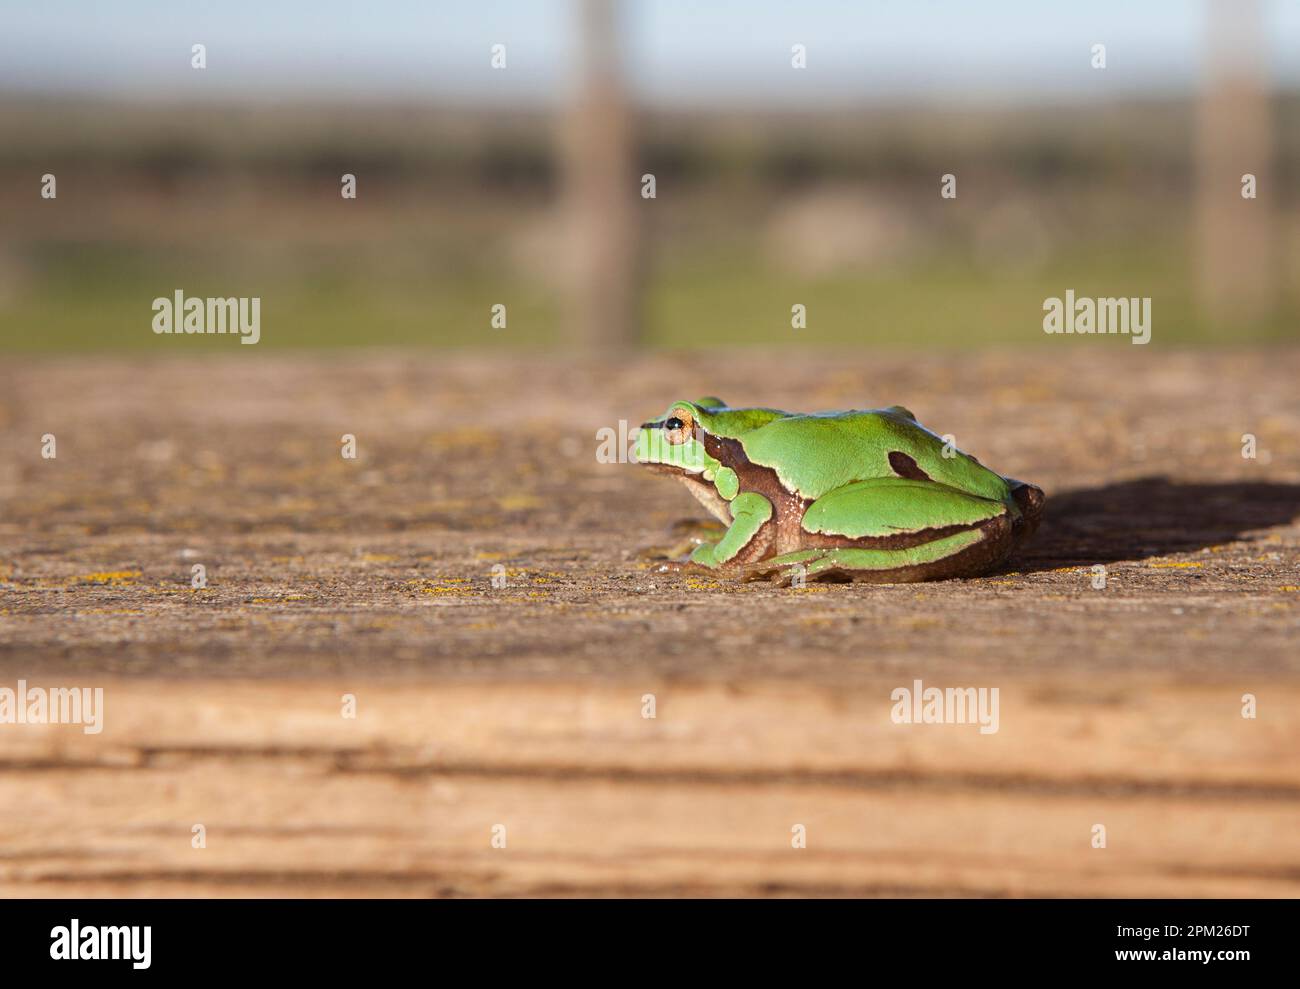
(897, 530)
(963, 554)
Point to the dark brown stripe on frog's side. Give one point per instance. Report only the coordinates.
(784, 531)
(754, 477)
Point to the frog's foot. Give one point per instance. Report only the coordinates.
(787, 569)
(708, 555)
(748, 538)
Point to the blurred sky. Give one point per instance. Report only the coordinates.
(679, 53)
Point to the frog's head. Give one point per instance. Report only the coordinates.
(701, 444)
(675, 442)
(683, 442)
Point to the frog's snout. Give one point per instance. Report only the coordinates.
(642, 451)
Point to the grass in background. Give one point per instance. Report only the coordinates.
(97, 298)
(460, 210)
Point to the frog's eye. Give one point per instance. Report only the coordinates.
(677, 428)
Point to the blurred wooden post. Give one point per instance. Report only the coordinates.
(1235, 255)
(602, 194)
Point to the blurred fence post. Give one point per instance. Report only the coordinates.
(1235, 255)
(602, 195)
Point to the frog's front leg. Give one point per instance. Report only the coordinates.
(746, 540)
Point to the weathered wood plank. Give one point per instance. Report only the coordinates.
(297, 800)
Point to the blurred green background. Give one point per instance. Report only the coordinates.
(463, 204)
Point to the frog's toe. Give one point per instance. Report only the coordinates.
(784, 568)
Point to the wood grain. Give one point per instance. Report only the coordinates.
(700, 800)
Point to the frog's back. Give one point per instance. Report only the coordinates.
(818, 452)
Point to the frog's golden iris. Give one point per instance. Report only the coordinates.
(678, 428)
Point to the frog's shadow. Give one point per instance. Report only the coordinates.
(1151, 516)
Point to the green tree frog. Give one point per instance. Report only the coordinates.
(864, 494)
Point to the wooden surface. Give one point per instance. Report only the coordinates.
(701, 799)
(522, 705)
